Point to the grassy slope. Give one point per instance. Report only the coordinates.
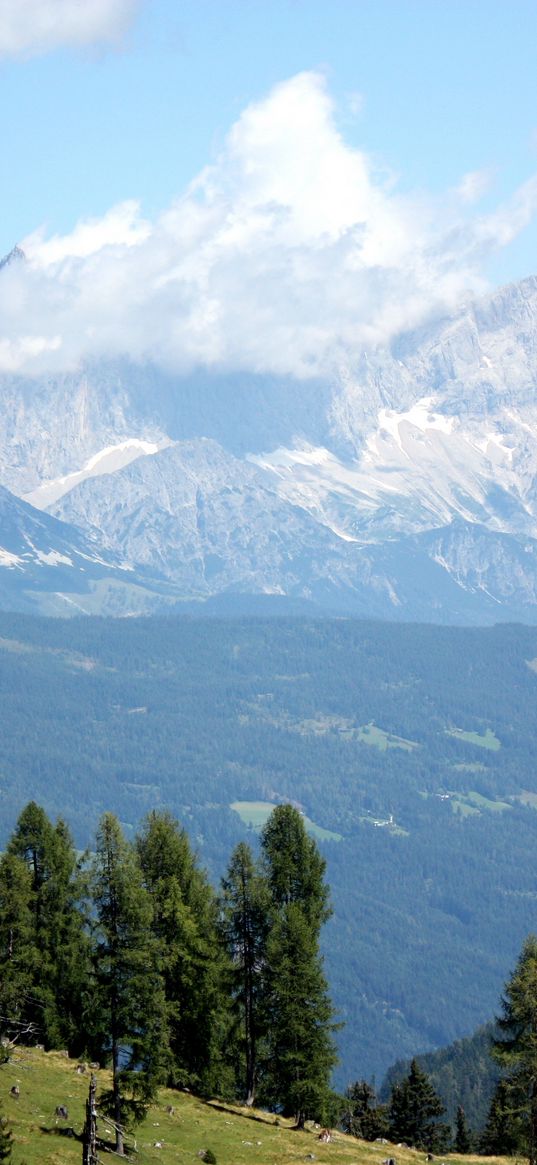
(236, 1136)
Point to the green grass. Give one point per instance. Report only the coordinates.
(236, 1135)
(473, 802)
(462, 807)
(527, 798)
(492, 806)
(254, 814)
(486, 739)
(372, 734)
(324, 724)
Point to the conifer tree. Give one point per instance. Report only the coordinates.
(130, 1022)
(294, 867)
(503, 1133)
(18, 955)
(462, 1134)
(362, 1116)
(413, 1112)
(300, 1049)
(245, 909)
(58, 950)
(516, 1050)
(185, 926)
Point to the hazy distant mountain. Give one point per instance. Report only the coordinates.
(404, 488)
(50, 567)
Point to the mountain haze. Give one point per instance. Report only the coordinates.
(404, 487)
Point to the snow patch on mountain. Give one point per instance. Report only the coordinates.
(108, 460)
(50, 557)
(421, 416)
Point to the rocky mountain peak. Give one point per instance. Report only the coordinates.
(14, 256)
(404, 487)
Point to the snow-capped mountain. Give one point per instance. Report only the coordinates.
(50, 567)
(405, 487)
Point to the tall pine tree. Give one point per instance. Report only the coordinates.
(516, 1050)
(130, 1018)
(184, 923)
(413, 1112)
(300, 1052)
(20, 1011)
(463, 1140)
(58, 958)
(245, 911)
(503, 1134)
(362, 1116)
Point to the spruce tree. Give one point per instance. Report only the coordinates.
(245, 908)
(413, 1112)
(516, 1050)
(503, 1133)
(463, 1142)
(300, 1053)
(184, 923)
(362, 1116)
(130, 1019)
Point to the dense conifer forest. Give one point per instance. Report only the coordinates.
(127, 956)
(408, 750)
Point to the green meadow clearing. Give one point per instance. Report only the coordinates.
(177, 1128)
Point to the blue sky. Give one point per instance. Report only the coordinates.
(132, 105)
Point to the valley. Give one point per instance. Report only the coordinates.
(408, 749)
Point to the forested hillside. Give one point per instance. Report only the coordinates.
(464, 1073)
(409, 750)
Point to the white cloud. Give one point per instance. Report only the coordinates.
(33, 27)
(122, 226)
(474, 185)
(286, 255)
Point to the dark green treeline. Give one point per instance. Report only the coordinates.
(129, 957)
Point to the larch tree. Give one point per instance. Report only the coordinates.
(130, 1018)
(245, 915)
(299, 1053)
(20, 1014)
(184, 924)
(516, 1048)
(59, 959)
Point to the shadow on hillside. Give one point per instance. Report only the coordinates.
(57, 1131)
(68, 1131)
(268, 1118)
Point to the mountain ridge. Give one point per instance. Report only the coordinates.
(250, 484)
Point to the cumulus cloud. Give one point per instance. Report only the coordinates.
(33, 27)
(288, 255)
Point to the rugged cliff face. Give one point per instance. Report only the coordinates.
(405, 487)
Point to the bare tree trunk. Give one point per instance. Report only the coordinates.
(120, 1148)
(89, 1150)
